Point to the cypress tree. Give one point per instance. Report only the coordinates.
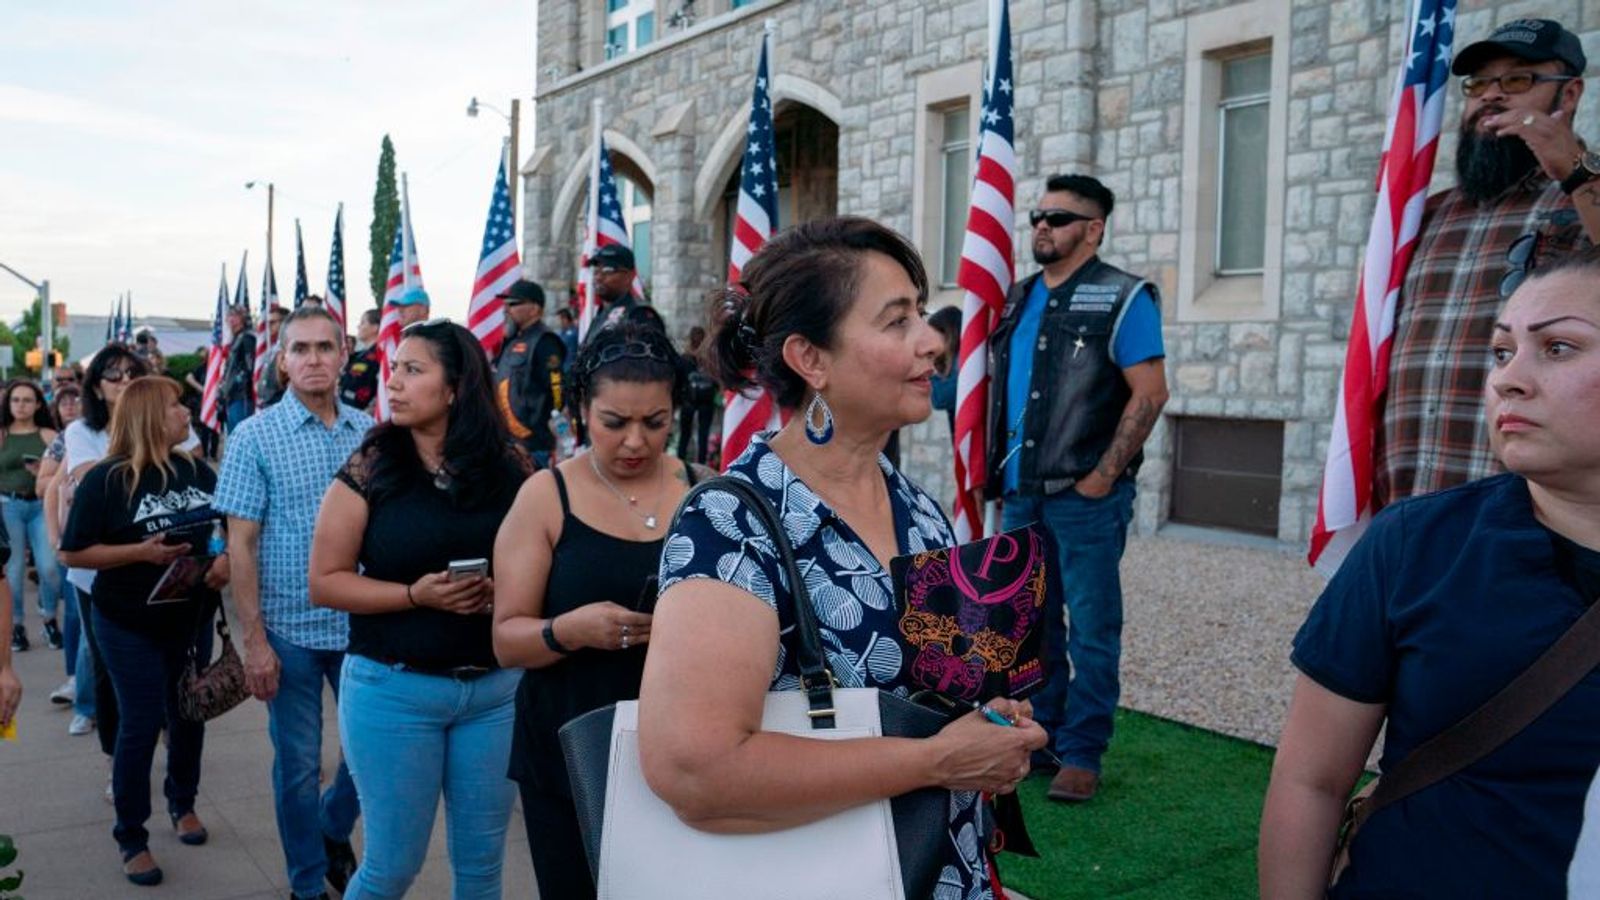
(385, 219)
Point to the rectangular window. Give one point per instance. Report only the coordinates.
(955, 152)
(630, 24)
(636, 212)
(1227, 473)
(1242, 164)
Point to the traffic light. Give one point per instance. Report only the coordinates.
(35, 357)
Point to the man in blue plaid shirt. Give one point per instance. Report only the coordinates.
(275, 468)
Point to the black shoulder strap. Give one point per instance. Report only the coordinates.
(561, 489)
(815, 677)
(1572, 657)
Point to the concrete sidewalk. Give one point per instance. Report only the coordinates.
(52, 802)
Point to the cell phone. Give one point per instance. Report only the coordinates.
(461, 569)
(646, 603)
(29, 459)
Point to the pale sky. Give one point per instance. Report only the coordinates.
(128, 131)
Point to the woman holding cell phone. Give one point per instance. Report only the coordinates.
(402, 543)
(577, 558)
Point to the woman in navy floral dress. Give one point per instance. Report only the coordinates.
(833, 323)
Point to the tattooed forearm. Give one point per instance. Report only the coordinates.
(1138, 419)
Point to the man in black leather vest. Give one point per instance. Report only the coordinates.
(1078, 382)
(528, 370)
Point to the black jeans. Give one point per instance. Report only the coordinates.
(106, 719)
(556, 845)
(694, 420)
(145, 670)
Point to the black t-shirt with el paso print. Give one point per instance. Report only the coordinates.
(177, 507)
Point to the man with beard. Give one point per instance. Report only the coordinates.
(1079, 380)
(1527, 194)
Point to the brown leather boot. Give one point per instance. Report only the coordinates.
(1074, 785)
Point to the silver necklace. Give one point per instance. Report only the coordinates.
(632, 501)
(441, 475)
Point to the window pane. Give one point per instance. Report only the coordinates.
(739, 3)
(616, 41)
(641, 250)
(957, 183)
(614, 5)
(644, 30)
(956, 127)
(1242, 196)
(1247, 76)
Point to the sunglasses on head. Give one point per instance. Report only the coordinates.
(630, 350)
(1056, 218)
(1510, 83)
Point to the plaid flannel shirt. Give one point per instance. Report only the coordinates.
(1432, 435)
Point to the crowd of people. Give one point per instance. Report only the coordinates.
(506, 551)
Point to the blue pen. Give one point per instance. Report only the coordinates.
(998, 719)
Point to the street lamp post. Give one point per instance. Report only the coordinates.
(46, 324)
(270, 190)
(514, 163)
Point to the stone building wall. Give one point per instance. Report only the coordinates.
(1102, 87)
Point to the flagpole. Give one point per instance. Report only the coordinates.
(407, 249)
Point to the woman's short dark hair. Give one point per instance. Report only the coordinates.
(478, 453)
(801, 282)
(41, 412)
(372, 317)
(62, 392)
(96, 412)
(629, 351)
(947, 321)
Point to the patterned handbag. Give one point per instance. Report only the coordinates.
(209, 690)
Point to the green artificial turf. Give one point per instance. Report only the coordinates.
(1175, 819)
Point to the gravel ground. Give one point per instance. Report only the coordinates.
(1206, 632)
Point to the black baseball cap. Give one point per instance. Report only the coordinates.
(523, 291)
(1534, 40)
(614, 255)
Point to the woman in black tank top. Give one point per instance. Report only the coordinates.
(575, 565)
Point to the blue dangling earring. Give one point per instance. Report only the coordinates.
(816, 433)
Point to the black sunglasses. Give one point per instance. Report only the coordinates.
(1056, 218)
(116, 375)
(630, 350)
(1519, 262)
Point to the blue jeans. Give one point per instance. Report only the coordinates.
(25, 524)
(409, 737)
(306, 813)
(78, 657)
(1083, 648)
(144, 671)
(237, 411)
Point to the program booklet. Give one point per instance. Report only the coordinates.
(183, 576)
(974, 614)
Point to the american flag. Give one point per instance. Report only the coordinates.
(986, 271)
(755, 219)
(405, 275)
(498, 268)
(335, 300)
(125, 320)
(269, 299)
(302, 287)
(603, 226)
(216, 357)
(1409, 147)
(241, 288)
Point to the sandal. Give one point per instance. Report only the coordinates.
(143, 877)
(195, 835)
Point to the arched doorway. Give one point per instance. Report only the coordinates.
(806, 144)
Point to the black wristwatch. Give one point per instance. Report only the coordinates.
(550, 641)
(1584, 170)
